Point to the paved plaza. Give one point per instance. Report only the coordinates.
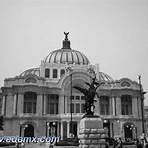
(36, 145)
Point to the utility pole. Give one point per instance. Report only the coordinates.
(142, 103)
(71, 104)
(69, 69)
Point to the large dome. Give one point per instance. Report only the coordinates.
(66, 55)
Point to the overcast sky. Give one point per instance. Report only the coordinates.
(112, 33)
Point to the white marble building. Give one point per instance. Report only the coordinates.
(37, 102)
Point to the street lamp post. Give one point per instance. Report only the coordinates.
(69, 69)
(71, 103)
(47, 125)
(20, 132)
(142, 103)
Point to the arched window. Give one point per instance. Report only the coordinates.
(55, 73)
(126, 105)
(62, 72)
(30, 100)
(104, 105)
(47, 73)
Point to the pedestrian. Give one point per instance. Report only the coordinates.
(107, 145)
(139, 144)
(146, 145)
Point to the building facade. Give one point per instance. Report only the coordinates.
(38, 101)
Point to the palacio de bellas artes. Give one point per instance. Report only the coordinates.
(43, 101)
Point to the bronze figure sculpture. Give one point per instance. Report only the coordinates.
(90, 94)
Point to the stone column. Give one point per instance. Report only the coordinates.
(118, 105)
(45, 103)
(58, 73)
(66, 105)
(116, 127)
(61, 104)
(68, 130)
(14, 104)
(61, 129)
(97, 106)
(113, 106)
(134, 106)
(20, 105)
(39, 104)
(78, 127)
(139, 106)
(9, 105)
(110, 106)
(57, 128)
(4, 105)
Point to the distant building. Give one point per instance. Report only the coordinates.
(37, 102)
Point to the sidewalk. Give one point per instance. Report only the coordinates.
(37, 145)
(44, 145)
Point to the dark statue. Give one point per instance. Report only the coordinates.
(66, 35)
(90, 94)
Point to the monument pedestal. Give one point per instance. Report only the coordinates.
(91, 133)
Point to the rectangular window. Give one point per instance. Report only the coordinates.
(52, 104)
(82, 108)
(77, 108)
(62, 72)
(102, 112)
(77, 97)
(82, 97)
(72, 107)
(34, 107)
(104, 105)
(29, 107)
(55, 73)
(72, 97)
(47, 73)
(51, 108)
(126, 104)
(30, 101)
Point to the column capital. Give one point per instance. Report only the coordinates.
(39, 93)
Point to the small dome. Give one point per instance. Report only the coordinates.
(66, 55)
(32, 71)
(105, 77)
